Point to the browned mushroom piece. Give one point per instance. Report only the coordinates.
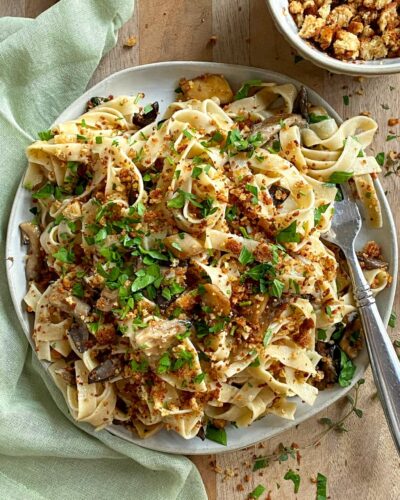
(67, 375)
(31, 236)
(146, 117)
(301, 103)
(205, 87)
(351, 342)
(278, 194)
(269, 128)
(107, 370)
(214, 298)
(79, 334)
(329, 364)
(371, 262)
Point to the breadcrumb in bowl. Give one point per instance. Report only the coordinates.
(340, 39)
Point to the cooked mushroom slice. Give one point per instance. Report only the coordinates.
(155, 339)
(205, 87)
(329, 364)
(31, 237)
(79, 335)
(67, 375)
(278, 194)
(183, 245)
(96, 101)
(107, 370)
(202, 433)
(270, 127)
(301, 103)
(351, 342)
(214, 298)
(108, 300)
(146, 116)
(371, 262)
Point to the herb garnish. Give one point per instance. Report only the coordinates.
(243, 92)
(216, 435)
(293, 476)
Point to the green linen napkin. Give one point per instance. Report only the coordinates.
(44, 65)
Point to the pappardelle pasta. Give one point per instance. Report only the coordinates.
(176, 268)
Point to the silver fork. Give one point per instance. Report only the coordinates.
(385, 364)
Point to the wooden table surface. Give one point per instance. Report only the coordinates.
(361, 463)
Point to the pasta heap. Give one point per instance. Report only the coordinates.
(176, 268)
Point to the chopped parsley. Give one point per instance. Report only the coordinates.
(77, 290)
(321, 487)
(231, 213)
(216, 435)
(318, 213)
(257, 492)
(392, 319)
(260, 463)
(64, 255)
(45, 135)
(380, 158)
(340, 177)
(44, 192)
(246, 257)
(267, 337)
(289, 234)
(293, 476)
(243, 92)
(254, 191)
(317, 118)
(346, 100)
(347, 370)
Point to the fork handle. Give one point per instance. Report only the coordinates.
(384, 361)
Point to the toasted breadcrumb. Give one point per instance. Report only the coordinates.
(350, 29)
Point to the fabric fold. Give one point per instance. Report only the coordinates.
(45, 64)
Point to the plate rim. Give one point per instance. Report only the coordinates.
(217, 67)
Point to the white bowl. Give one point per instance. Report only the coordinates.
(158, 82)
(286, 25)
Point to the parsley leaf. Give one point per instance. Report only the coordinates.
(317, 118)
(246, 257)
(244, 89)
(289, 234)
(392, 319)
(380, 158)
(276, 288)
(257, 492)
(292, 476)
(318, 213)
(45, 135)
(260, 463)
(77, 290)
(347, 370)
(267, 337)
(340, 177)
(254, 191)
(346, 100)
(321, 486)
(164, 363)
(216, 435)
(64, 255)
(44, 192)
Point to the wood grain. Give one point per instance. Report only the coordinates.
(363, 462)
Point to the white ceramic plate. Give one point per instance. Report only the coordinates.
(158, 82)
(286, 25)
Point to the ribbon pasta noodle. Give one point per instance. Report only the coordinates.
(177, 268)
